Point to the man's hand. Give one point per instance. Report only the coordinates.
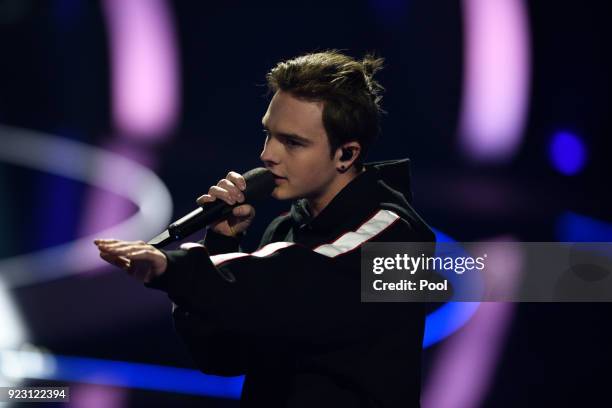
(230, 190)
(141, 261)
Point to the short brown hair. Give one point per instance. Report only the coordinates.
(351, 96)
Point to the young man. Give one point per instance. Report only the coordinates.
(289, 315)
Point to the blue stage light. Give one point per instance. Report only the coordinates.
(145, 376)
(451, 316)
(572, 227)
(567, 153)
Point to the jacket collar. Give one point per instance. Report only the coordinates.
(356, 197)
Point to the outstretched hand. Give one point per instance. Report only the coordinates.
(141, 260)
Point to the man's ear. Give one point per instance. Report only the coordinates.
(347, 154)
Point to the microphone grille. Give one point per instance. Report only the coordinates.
(259, 183)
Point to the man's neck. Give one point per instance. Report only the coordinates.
(316, 205)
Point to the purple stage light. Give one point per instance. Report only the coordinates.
(145, 94)
(145, 72)
(465, 363)
(496, 78)
(567, 153)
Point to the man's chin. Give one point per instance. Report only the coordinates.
(276, 194)
(282, 194)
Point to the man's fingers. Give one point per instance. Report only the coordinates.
(245, 210)
(118, 261)
(222, 194)
(141, 254)
(105, 241)
(233, 190)
(205, 198)
(125, 250)
(237, 179)
(114, 258)
(140, 261)
(118, 244)
(228, 189)
(125, 260)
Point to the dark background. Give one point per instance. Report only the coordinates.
(54, 77)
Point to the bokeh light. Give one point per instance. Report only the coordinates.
(567, 153)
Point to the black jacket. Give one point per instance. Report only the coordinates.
(289, 315)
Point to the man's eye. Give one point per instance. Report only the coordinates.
(292, 143)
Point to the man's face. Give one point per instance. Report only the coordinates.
(296, 148)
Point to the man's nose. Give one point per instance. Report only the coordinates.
(269, 155)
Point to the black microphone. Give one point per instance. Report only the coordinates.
(259, 185)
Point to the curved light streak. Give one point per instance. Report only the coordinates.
(12, 335)
(79, 161)
(449, 317)
(464, 364)
(496, 78)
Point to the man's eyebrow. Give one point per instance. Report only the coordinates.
(292, 136)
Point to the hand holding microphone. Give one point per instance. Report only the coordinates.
(230, 190)
(259, 184)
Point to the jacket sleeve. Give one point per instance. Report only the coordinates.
(285, 289)
(220, 244)
(214, 350)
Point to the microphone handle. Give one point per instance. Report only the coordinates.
(192, 222)
(199, 218)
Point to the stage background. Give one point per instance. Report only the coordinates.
(502, 106)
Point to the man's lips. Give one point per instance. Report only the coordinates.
(278, 180)
(277, 176)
